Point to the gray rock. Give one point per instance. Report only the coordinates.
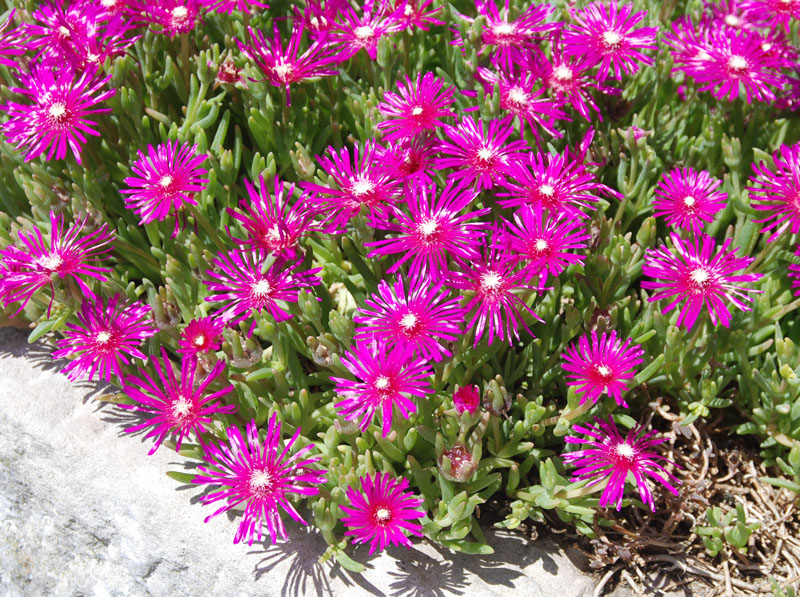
(85, 511)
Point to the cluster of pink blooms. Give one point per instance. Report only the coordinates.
(450, 271)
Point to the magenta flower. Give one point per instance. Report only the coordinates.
(556, 182)
(178, 405)
(495, 304)
(228, 6)
(434, 229)
(11, 42)
(271, 222)
(776, 193)
(260, 476)
(417, 108)
(388, 379)
(61, 33)
(467, 399)
(602, 367)
(410, 159)
(422, 318)
(382, 513)
(363, 31)
(172, 16)
(106, 332)
(59, 115)
(511, 41)
(283, 67)
(609, 457)
(201, 336)
(166, 179)
(687, 199)
(238, 278)
(480, 156)
(694, 275)
(771, 13)
(604, 34)
(362, 182)
(414, 13)
(65, 256)
(318, 17)
(542, 241)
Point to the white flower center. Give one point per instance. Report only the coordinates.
(485, 154)
(362, 186)
(63, 31)
(181, 407)
(382, 382)
(563, 73)
(416, 111)
(262, 288)
(261, 480)
(383, 514)
(766, 46)
(165, 181)
(737, 62)
(428, 227)
(408, 321)
(547, 190)
(541, 244)
(273, 234)
(490, 281)
(503, 29)
(364, 32)
(517, 96)
(625, 450)
(408, 10)
(733, 20)
(108, 3)
(699, 276)
(611, 38)
(180, 12)
(199, 340)
(282, 70)
(603, 371)
(102, 337)
(50, 261)
(689, 201)
(57, 110)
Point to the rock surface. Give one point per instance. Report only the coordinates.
(85, 511)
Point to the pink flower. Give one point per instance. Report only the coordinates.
(165, 179)
(410, 160)
(467, 399)
(610, 458)
(362, 182)
(602, 367)
(495, 305)
(420, 319)
(435, 228)
(417, 108)
(604, 34)
(388, 379)
(62, 33)
(381, 515)
(694, 275)
(413, 13)
(179, 407)
(261, 476)
(541, 241)
(283, 67)
(687, 198)
(480, 156)
(271, 222)
(65, 256)
(556, 182)
(239, 278)
(362, 31)
(106, 332)
(11, 42)
(773, 12)
(172, 16)
(777, 193)
(512, 40)
(519, 98)
(228, 6)
(318, 17)
(59, 115)
(201, 336)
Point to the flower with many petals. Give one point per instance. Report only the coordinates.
(610, 457)
(417, 107)
(387, 379)
(201, 336)
(58, 116)
(11, 42)
(179, 405)
(776, 192)
(172, 16)
(106, 332)
(362, 31)
(382, 512)
(511, 40)
(434, 229)
(696, 274)
(415, 14)
(687, 198)
(602, 367)
(411, 159)
(27, 270)
(262, 476)
(228, 6)
(770, 13)
(421, 318)
(164, 180)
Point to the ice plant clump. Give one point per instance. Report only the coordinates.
(107, 331)
(178, 405)
(388, 379)
(610, 457)
(260, 476)
(421, 318)
(65, 256)
(696, 274)
(201, 336)
(58, 118)
(777, 193)
(417, 108)
(410, 160)
(165, 179)
(602, 367)
(688, 199)
(382, 513)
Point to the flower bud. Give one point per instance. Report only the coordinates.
(457, 464)
(496, 398)
(467, 399)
